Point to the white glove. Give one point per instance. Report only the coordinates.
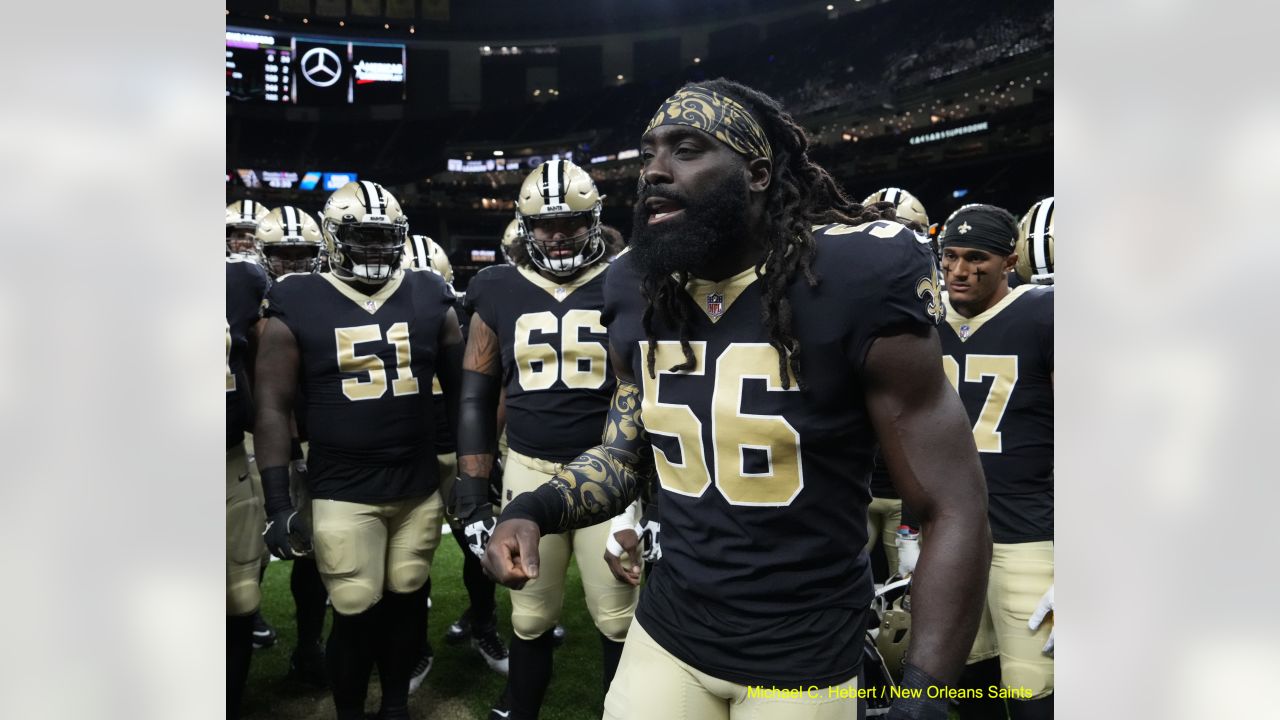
(648, 532)
(478, 531)
(908, 552)
(1044, 608)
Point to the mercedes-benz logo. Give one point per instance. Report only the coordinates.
(321, 66)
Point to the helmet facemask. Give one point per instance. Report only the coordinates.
(366, 252)
(286, 258)
(240, 240)
(564, 256)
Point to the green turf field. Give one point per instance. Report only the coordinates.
(460, 686)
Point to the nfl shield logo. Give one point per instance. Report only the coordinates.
(370, 305)
(964, 332)
(715, 304)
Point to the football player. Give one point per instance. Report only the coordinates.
(535, 331)
(288, 240)
(997, 349)
(766, 332)
(423, 253)
(363, 342)
(243, 217)
(900, 540)
(246, 286)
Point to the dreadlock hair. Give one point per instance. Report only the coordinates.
(800, 195)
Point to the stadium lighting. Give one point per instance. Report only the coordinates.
(386, 26)
(497, 153)
(411, 31)
(697, 60)
(266, 17)
(536, 93)
(830, 8)
(342, 23)
(305, 21)
(619, 78)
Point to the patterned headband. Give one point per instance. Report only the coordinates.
(718, 115)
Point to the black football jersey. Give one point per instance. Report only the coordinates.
(764, 491)
(366, 366)
(1001, 361)
(555, 361)
(246, 286)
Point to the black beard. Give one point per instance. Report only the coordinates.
(708, 228)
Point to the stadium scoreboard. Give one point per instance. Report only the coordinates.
(263, 66)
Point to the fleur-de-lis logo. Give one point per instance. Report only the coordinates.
(964, 228)
(927, 289)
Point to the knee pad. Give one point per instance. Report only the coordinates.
(528, 626)
(614, 628)
(350, 596)
(1020, 675)
(408, 577)
(243, 598)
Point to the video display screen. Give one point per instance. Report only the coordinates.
(265, 67)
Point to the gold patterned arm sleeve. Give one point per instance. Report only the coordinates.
(602, 481)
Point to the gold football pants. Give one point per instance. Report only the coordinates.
(360, 549)
(884, 515)
(245, 522)
(535, 609)
(653, 683)
(1020, 575)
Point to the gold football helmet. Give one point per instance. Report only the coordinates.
(289, 241)
(554, 190)
(907, 206)
(423, 253)
(364, 231)
(243, 217)
(1035, 244)
(512, 235)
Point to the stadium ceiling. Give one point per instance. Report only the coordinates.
(466, 19)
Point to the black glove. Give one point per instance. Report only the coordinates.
(922, 707)
(470, 505)
(287, 535)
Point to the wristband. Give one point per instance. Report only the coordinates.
(907, 531)
(923, 707)
(275, 489)
(613, 547)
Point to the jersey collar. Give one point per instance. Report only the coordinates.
(714, 298)
(965, 328)
(368, 303)
(562, 291)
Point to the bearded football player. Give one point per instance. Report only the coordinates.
(766, 333)
(535, 332)
(997, 349)
(362, 342)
